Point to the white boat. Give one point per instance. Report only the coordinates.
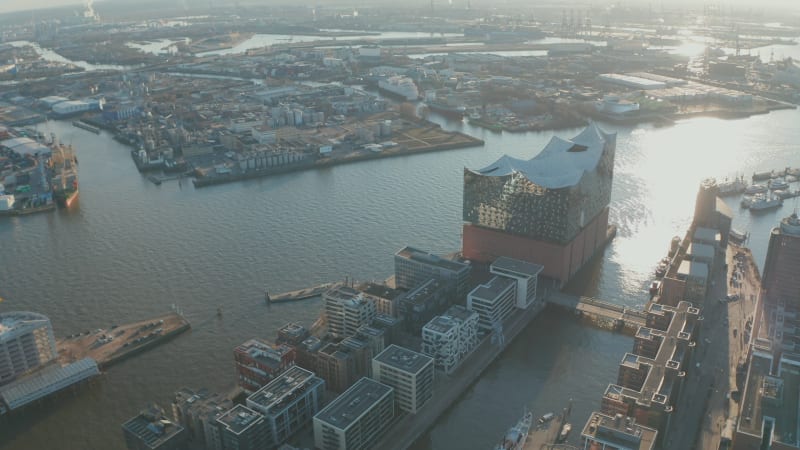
(764, 203)
(755, 189)
(517, 435)
(401, 86)
(778, 184)
(564, 432)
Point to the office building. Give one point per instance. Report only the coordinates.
(346, 310)
(356, 419)
(288, 403)
(150, 430)
(374, 336)
(259, 362)
(604, 432)
(422, 303)
(391, 326)
(241, 428)
(770, 402)
(550, 210)
(386, 299)
(524, 274)
(342, 364)
(409, 373)
(292, 334)
(449, 338)
(306, 353)
(197, 412)
(26, 342)
(413, 267)
(493, 302)
(650, 379)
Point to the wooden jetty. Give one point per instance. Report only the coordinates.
(300, 294)
(604, 314)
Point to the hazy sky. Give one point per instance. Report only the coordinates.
(15, 5)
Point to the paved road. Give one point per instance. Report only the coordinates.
(703, 405)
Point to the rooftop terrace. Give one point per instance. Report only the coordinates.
(283, 389)
(239, 419)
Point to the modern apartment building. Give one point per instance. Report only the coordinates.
(26, 342)
(346, 310)
(409, 373)
(413, 267)
(259, 362)
(449, 338)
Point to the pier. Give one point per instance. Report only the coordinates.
(604, 313)
(112, 345)
(300, 294)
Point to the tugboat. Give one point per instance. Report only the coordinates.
(517, 435)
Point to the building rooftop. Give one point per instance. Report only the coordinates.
(699, 250)
(790, 225)
(516, 267)
(427, 258)
(263, 352)
(379, 290)
(706, 235)
(239, 419)
(152, 428)
(619, 431)
(404, 359)
(13, 323)
(353, 403)
(694, 269)
(770, 399)
(560, 164)
(459, 312)
(493, 288)
(283, 389)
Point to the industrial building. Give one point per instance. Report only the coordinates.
(409, 373)
(413, 267)
(550, 210)
(650, 378)
(150, 430)
(449, 338)
(241, 428)
(346, 310)
(26, 342)
(604, 432)
(356, 419)
(259, 362)
(769, 407)
(288, 403)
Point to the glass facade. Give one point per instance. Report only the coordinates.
(514, 204)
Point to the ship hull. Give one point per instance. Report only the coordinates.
(67, 199)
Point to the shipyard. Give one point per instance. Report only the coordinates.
(444, 225)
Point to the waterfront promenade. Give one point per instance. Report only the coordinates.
(449, 388)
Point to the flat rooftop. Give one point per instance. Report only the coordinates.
(413, 254)
(153, 431)
(353, 403)
(20, 321)
(441, 324)
(239, 419)
(379, 290)
(706, 235)
(403, 359)
(283, 389)
(694, 269)
(769, 398)
(459, 312)
(622, 431)
(516, 267)
(264, 352)
(493, 288)
(47, 381)
(700, 250)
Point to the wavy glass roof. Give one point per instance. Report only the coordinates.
(560, 164)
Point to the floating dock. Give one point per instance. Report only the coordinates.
(300, 294)
(114, 344)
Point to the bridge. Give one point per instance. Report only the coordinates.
(619, 316)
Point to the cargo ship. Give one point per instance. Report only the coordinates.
(517, 435)
(400, 86)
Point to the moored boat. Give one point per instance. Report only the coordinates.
(564, 432)
(778, 184)
(516, 436)
(756, 189)
(765, 203)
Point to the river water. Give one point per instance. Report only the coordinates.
(130, 250)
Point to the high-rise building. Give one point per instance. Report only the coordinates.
(413, 267)
(346, 310)
(241, 428)
(150, 430)
(550, 210)
(449, 338)
(288, 403)
(769, 402)
(259, 362)
(356, 419)
(409, 373)
(26, 342)
(493, 301)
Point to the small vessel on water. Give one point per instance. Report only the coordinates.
(546, 418)
(755, 189)
(764, 203)
(517, 435)
(778, 184)
(564, 432)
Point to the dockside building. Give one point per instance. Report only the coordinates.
(26, 342)
(550, 210)
(409, 373)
